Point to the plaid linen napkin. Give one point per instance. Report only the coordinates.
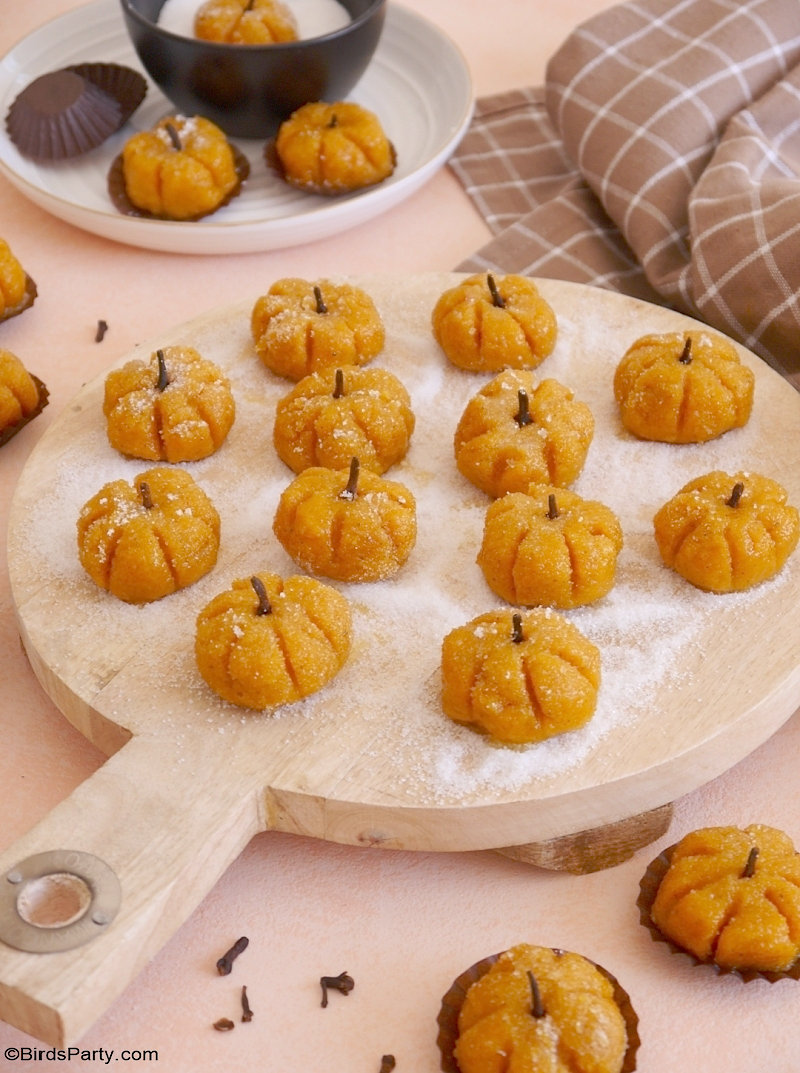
(660, 159)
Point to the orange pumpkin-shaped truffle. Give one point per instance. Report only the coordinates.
(299, 327)
(519, 677)
(731, 896)
(683, 387)
(550, 548)
(333, 149)
(516, 432)
(176, 407)
(22, 396)
(330, 417)
(726, 533)
(268, 641)
(245, 22)
(537, 1009)
(347, 525)
(490, 323)
(17, 289)
(183, 169)
(148, 538)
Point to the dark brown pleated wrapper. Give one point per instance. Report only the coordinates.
(453, 1000)
(648, 888)
(11, 430)
(127, 87)
(122, 203)
(65, 113)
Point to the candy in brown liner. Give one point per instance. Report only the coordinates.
(67, 112)
(453, 1000)
(122, 203)
(275, 165)
(648, 887)
(11, 430)
(27, 300)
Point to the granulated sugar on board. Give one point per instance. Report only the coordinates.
(644, 628)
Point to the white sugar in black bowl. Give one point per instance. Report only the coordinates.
(248, 90)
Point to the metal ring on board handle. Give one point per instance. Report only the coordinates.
(57, 900)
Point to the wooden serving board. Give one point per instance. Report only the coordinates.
(691, 682)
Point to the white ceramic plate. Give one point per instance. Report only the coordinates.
(418, 83)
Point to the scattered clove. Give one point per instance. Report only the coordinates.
(247, 1013)
(387, 1063)
(225, 963)
(102, 328)
(224, 1024)
(342, 983)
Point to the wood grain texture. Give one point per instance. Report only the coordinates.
(371, 760)
(592, 851)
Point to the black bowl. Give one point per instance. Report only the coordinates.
(248, 90)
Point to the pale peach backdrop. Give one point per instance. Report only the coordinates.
(403, 924)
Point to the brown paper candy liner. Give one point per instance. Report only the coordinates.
(453, 1000)
(648, 888)
(69, 111)
(11, 430)
(126, 86)
(122, 203)
(27, 300)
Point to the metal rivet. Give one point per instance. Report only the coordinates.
(14, 877)
(99, 918)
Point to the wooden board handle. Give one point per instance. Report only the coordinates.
(166, 837)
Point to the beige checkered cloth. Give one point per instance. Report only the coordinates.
(661, 159)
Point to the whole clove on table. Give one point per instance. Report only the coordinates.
(247, 1013)
(341, 983)
(225, 963)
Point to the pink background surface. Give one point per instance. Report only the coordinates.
(403, 924)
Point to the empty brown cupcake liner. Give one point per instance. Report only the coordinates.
(67, 112)
(126, 86)
(648, 887)
(27, 300)
(11, 430)
(122, 203)
(453, 1000)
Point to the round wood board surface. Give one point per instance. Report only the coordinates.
(692, 682)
